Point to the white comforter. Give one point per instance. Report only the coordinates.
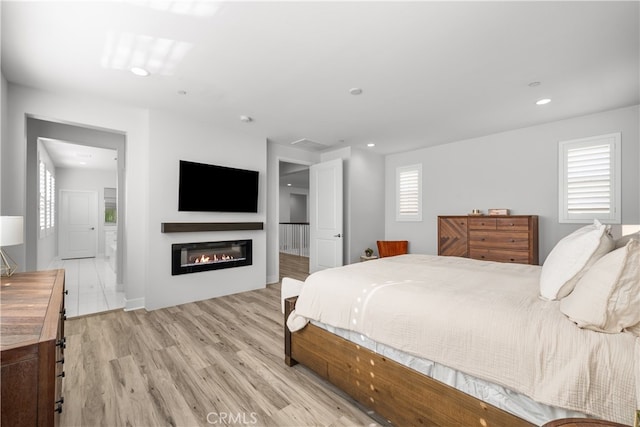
(482, 318)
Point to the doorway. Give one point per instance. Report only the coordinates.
(293, 212)
(78, 144)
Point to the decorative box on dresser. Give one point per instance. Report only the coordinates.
(32, 348)
(503, 238)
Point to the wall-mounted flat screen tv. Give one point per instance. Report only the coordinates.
(213, 188)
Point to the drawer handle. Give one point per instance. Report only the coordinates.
(61, 375)
(513, 240)
(60, 402)
(62, 343)
(66, 292)
(512, 259)
(60, 361)
(482, 256)
(482, 240)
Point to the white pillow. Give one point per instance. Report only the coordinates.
(622, 241)
(607, 297)
(571, 257)
(635, 329)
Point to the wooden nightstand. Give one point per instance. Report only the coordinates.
(367, 258)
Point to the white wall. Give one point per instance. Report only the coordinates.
(181, 138)
(287, 203)
(95, 113)
(366, 220)
(517, 170)
(88, 180)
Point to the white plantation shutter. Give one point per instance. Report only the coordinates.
(42, 198)
(590, 179)
(408, 193)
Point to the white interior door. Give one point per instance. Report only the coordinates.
(325, 215)
(78, 224)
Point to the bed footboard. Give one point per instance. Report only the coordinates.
(400, 394)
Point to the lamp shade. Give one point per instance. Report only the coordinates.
(11, 230)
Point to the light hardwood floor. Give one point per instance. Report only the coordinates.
(293, 266)
(213, 362)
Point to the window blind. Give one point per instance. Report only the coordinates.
(589, 180)
(409, 200)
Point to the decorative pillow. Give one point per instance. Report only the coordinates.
(607, 297)
(622, 241)
(635, 330)
(571, 257)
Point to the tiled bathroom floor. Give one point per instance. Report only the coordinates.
(91, 284)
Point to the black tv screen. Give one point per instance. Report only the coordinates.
(213, 188)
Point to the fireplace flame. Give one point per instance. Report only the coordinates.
(215, 258)
(202, 259)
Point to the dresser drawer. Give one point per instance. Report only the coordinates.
(521, 257)
(483, 223)
(512, 224)
(502, 240)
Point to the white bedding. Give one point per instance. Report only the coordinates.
(481, 318)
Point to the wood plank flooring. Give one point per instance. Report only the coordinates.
(293, 266)
(213, 362)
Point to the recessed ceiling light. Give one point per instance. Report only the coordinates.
(288, 185)
(246, 119)
(139, 71)
(355, 91)
(534, 84)
(543, 101)
(371, 144)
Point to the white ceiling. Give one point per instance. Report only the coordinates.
(75, 156)
(431, 72)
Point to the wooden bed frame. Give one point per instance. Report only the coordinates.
(400, 394)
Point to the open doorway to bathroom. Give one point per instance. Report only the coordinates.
(69, 166)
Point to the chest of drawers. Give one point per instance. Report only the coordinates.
(509, 238)
(32, 348)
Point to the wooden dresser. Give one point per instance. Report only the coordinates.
(32, 347)
(503, 238)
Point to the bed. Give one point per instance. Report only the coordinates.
(432, 340)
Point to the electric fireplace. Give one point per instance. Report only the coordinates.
(203, 256)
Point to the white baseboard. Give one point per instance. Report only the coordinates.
(133, 304)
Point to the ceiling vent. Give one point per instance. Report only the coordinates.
(307, 144)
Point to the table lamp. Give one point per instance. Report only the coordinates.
(11, 233)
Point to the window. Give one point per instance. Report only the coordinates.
(590, 179)
(110, 206)
(46, 200)
(42, 199)
(408, 193)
